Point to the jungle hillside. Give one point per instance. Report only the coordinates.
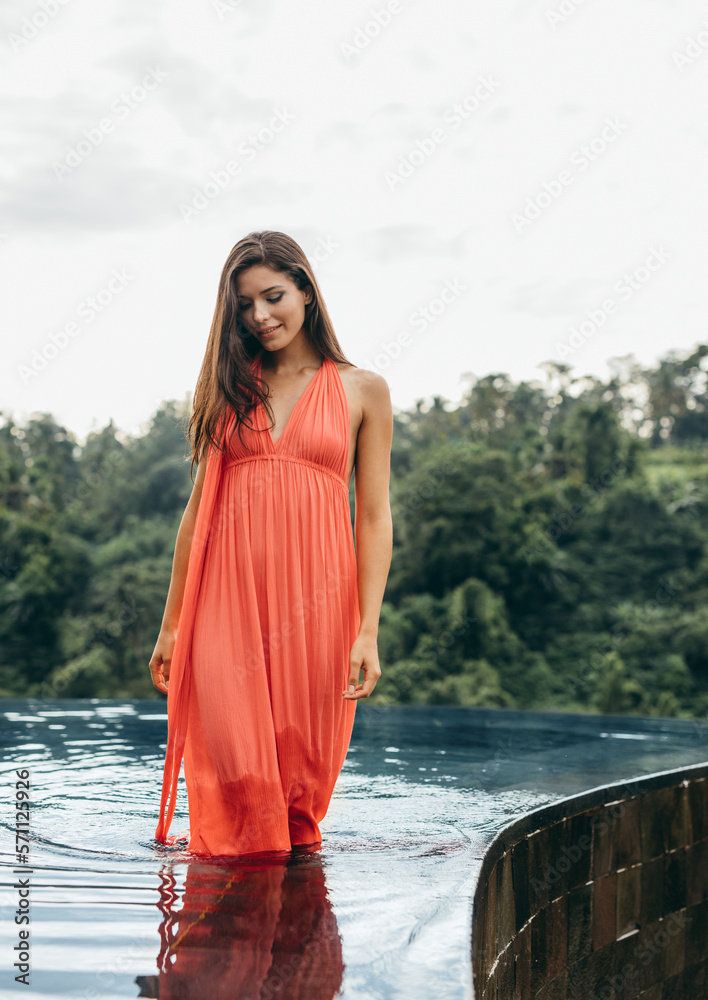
(550, 546)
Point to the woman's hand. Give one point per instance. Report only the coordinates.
(162, 659)
(364, 656)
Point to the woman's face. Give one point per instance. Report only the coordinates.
(270, 305)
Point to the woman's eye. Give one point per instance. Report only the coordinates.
(247, 305)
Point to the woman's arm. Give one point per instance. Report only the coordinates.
(373, 528)
(162, 654)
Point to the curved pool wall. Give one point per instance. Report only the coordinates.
(600, 895)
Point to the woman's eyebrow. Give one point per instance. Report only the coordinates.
(272, 288)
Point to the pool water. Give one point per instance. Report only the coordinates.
(382, 909)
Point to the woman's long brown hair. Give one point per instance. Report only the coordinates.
(226, 378)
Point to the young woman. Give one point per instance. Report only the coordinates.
(271, 612)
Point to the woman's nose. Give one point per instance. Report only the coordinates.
(260, 312)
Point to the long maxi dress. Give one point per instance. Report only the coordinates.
(269, 615)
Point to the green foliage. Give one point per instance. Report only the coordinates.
(86, 542)
(550, 547)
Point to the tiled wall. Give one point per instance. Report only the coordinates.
(603, 895)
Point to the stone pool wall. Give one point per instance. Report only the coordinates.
(598, 896)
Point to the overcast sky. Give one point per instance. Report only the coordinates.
(476, 180)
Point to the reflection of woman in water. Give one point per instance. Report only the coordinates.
(272, 613)
(260, 931)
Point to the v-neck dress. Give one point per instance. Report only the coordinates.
(269, 615)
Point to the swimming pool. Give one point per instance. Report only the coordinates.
(382, 909)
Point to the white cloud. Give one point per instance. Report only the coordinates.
(322, 180)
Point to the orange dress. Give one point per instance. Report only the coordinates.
(269, 616)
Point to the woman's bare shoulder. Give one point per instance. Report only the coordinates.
(367, 387)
